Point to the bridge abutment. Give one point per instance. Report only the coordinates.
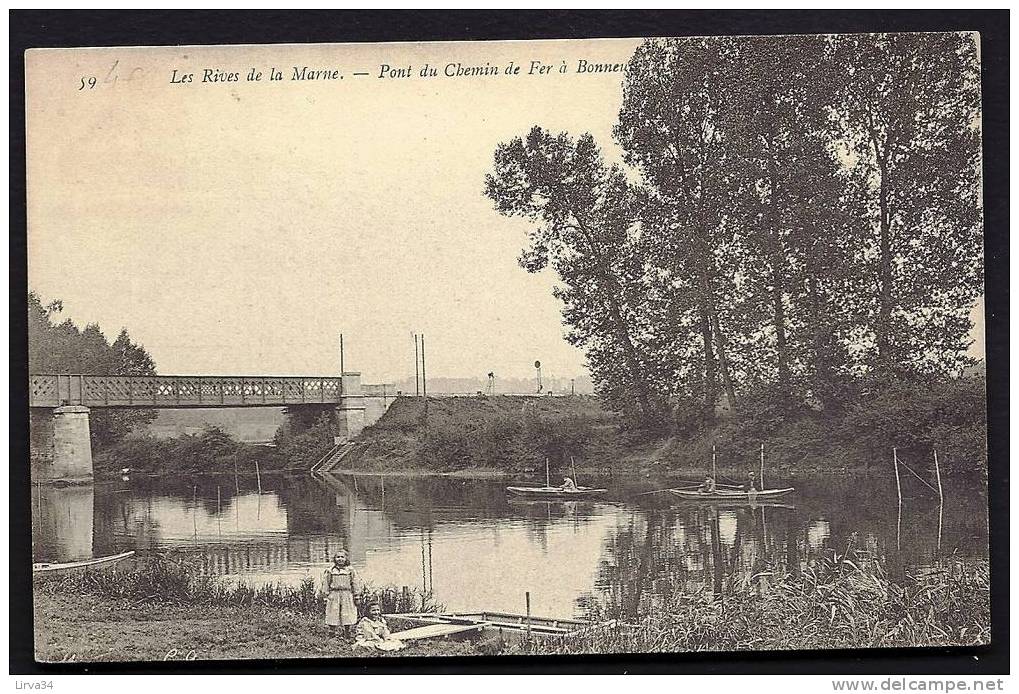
(72, 445)
(350, 410)
(349, 421)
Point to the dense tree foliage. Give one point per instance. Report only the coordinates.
(795, 227)
(60, 347)
(583, 211)
(795, 231)
(909, 110)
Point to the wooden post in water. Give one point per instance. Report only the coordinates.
(937, 471)
(424, 576)
(762, 467)
(258, 477)
(898, 489)
(527, 600)
(573, 465)
(237, 483)
(548, 482)
(941, 496)
(898, 484)
(714, 474)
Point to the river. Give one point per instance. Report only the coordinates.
(475, 549)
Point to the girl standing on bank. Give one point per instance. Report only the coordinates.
(339, 584)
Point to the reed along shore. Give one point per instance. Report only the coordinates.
(162, 609)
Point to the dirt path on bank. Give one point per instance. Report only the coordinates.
(86, 628)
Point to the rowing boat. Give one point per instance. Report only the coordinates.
(507, 627)
(431, 631)
(550, 492)
(727, 495)
(556, 492)
(50, 569)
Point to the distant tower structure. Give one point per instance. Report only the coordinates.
(537, 368)
(491, 383)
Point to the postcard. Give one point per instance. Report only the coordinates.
(508, 347)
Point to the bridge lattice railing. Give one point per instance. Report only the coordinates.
(54, 390)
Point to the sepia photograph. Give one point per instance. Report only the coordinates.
(498, 348)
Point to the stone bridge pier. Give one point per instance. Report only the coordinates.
(72, 445)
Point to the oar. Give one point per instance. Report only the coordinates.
(657, 491)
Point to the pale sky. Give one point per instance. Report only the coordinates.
(237, 228)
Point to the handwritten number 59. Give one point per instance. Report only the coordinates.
(87, 83)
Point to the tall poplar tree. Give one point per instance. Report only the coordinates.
(582, 215)
(798, 238)
(669, 132)
(910, 107)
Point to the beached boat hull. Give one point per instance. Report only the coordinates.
(734, 496)
(67, 568)
(556, 492)
(505, 627)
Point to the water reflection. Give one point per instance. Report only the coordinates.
(475, 549)
(62, 522)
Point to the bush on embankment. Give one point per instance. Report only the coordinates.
(210, 451)
(513, 433)
(503, 432)
(298, 445)
(836, 604)
(914, 417)
(172, 580)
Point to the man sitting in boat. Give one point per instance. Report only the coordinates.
(373, 632)
(568, 485)
(707, 486)
(751, 485)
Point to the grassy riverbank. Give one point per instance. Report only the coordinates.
(91, 628)
(507, 433)
(164, 611)
(512, 435)
(516, 434)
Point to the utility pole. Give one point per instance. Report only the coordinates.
(537, 367)
(573, 386)
(417, 377)
(341, 354)
(424, 377)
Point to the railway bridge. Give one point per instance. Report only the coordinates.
(70, 398)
